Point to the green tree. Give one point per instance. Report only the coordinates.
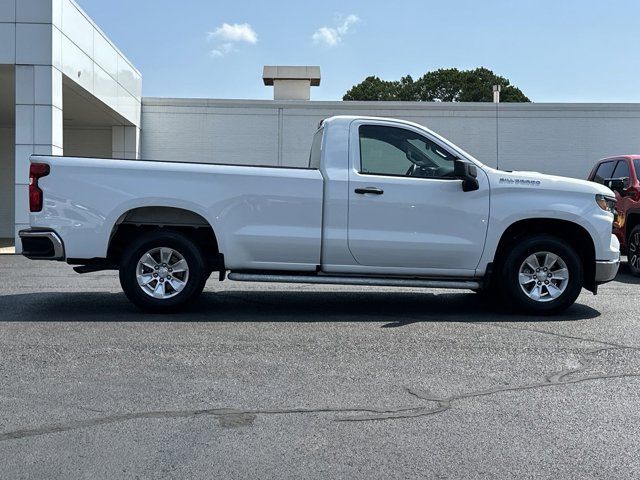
(443, 85)
(374, 89)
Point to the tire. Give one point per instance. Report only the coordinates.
(172, 273)
(633, 251)
(534, 295)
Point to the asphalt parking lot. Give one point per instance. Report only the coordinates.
(290, 381)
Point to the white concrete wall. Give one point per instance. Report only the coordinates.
(125, 142)
(6, 182)
(564, 139)
(210, 131)
(88, 142)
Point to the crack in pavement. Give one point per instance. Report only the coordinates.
(553, 380)
(554, 334)
(164, 414)
(369, 414)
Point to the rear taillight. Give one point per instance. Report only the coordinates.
(36, 171)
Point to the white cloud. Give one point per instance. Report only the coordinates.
(331, 36)
(222, 50)
(237, 32)
(327, 36)
(227, 36)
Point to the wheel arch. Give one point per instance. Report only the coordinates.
(139, 220)
(632, 220)
(574, 234)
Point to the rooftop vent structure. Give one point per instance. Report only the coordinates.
(291, 83)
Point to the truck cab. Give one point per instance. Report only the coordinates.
(393, 190)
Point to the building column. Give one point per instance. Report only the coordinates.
(125, 141)
(38, 128)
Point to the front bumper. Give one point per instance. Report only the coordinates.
(41, 244)
(606, 270)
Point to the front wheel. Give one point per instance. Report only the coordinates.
(162, 271)
(633, 251)
(542, 274)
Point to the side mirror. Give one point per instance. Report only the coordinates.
(466, 172)
(617, 184)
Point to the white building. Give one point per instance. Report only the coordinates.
(558, 138)
(65, 88)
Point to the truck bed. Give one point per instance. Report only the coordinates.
(265, 217)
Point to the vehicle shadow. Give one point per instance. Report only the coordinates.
(393, 309)
(625, 275)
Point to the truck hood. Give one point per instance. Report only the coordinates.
(517, 179)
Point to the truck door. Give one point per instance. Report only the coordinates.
(406, 209)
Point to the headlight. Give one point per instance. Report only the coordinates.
(606, 203)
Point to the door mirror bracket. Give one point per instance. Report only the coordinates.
(468, 173)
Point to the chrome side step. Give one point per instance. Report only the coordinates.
(370, 281)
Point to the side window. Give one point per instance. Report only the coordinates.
(636, 165)
(400, 152)
(621, 170)
(316, 150)
(605, 170)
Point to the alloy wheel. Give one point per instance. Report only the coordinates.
(162, 272)
(633, 256)
(543, 276)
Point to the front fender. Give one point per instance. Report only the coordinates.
(509, 207)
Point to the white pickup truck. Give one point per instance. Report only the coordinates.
(382, 202)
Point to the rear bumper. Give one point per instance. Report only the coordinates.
(606, 270)
(40, 244)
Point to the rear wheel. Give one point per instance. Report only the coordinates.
(162, 271)
(633, 251)
(542, 274)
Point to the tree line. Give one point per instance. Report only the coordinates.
(442, 85)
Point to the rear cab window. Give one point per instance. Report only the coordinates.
(316, 150)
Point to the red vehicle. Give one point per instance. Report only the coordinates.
(620, 174)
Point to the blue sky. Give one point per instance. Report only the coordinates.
(555, 51)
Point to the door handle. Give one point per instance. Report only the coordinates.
(374, 190)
